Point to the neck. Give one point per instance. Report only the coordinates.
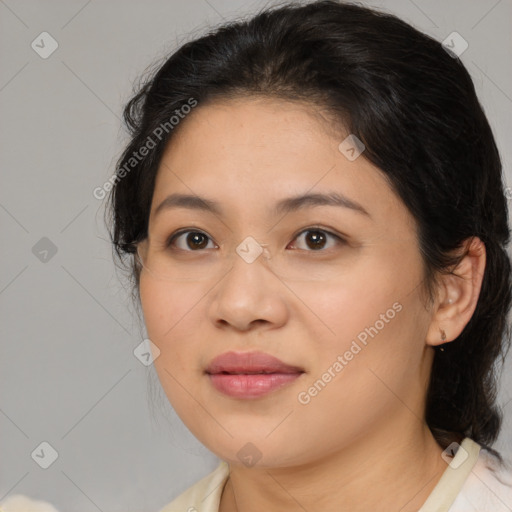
(387, 469)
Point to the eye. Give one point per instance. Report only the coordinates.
(193, 241)
(317, 238)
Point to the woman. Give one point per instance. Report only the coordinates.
(311, 207)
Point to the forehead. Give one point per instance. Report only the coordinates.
(254, 152)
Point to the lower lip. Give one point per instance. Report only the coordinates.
(251, 386)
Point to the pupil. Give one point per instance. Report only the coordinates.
(194, 240)
(317, 237)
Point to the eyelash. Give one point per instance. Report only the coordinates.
(177, 234)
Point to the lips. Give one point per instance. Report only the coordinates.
(249, 363)
(250, 374)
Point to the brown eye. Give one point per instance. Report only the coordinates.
(317, 239)
(195, 240)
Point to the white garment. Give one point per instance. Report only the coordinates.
(21, 503)
(469, 484)
(472, 482)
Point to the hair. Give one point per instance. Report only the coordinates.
(413, 105)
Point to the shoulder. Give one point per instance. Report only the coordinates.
(204, 495)
(22, 503)
(488, 487)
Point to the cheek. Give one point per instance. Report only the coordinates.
(338, 311)
(364, 373)
(171, 315)
(174, 317)
(372, 317)
(166, 305)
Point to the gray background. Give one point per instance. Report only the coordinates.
(68, 375)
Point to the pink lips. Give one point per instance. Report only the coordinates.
(250, 374)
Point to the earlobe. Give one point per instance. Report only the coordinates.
(458, 295)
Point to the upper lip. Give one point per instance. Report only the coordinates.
(249, 362)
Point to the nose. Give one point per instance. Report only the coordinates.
(249, 295)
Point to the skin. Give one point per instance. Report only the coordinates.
(364, 428)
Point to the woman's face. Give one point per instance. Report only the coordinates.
(345, 315)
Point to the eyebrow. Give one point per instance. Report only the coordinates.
(287, 205)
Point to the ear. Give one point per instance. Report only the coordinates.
(458, 295)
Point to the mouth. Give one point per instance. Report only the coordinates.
(249, 375)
